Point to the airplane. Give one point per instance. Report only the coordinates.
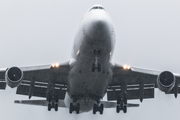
(80, 83)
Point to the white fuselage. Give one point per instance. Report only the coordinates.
(93, 45)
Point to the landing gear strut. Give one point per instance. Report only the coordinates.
(74, 107)
(53, 103)
(121, 105)
(98, 107)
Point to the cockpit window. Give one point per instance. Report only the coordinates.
(101, 8)
(97, 7)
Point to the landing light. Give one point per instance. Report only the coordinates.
(78, 52)
(126, 67)
(55, 65)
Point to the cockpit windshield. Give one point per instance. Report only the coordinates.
(97, 7)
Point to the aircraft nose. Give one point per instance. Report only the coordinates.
(99, 23)
(98, 27)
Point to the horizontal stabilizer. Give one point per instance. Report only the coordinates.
(108, 104)
(39, 102)
(132, 105)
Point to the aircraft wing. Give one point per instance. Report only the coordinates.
(39, 80)
(136, 83)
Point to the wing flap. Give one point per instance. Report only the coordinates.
(133, 92)
(40, 89)
(37, 91)
(173, 90)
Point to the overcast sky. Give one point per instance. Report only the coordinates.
(38, 32)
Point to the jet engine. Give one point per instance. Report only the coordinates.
(166, 81)
(13, 76)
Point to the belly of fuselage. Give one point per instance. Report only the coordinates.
(83, 81)
(86, 86)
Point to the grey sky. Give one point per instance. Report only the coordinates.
(41, 32)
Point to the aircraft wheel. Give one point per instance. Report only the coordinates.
(101, 109)
(70, 108)
(125, 109)
(94, 109)
(56, 107)
(77, 108)
(117, 109)
(49, 107)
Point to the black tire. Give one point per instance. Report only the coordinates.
(94, 109)
(101, 109)
(70, 108)
(117, 109)
(77, 108)
(56, 107)
(49, 107)
(125, 109)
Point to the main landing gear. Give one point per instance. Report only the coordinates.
(74, 107)
(98, 107)
(53, 103)
(121, 105)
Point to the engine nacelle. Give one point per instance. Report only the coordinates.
(13, 76)
(166, 81)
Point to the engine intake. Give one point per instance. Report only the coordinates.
(13, 76)
(166, 81)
